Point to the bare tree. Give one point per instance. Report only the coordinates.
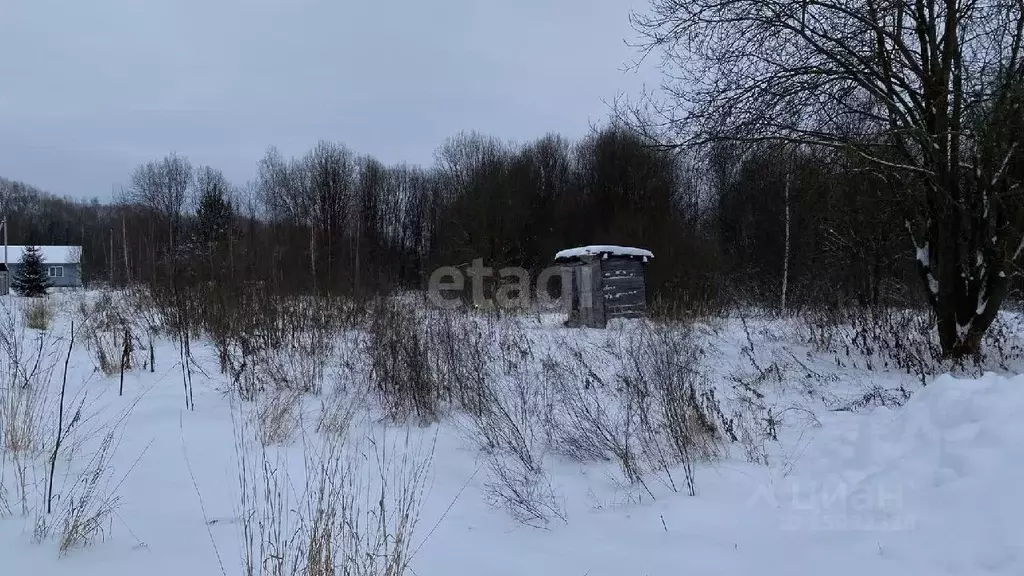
(163, 186)
(6, 191)
(331, 169)
(282, 189)
(929, 92)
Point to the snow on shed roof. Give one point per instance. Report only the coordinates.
(51, 254)
(609, 249)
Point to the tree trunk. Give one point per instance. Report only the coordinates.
(965, 278)
(785, 257)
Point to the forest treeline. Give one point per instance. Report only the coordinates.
(732, 225)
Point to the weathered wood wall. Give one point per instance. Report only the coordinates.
(587, 294)
(603, 289)
(624, 288)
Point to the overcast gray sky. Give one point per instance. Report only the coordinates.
(89, 89)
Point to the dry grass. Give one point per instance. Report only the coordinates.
(669, 402)
(513, 426)
(23, 410)
(106, 324)
(642, 400)
(356, 512)
(87, 498)
(339, 409)
(278, 416)
(26, 367)
(39, 313)
(88, 506)
(31, 456)
(460, 349)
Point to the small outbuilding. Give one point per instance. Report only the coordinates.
(607, 282)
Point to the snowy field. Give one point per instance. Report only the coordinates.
(824, 453)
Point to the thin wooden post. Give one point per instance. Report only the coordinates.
(124, 249)
(7, 266)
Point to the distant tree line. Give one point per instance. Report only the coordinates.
(334, 222)
(802, 155)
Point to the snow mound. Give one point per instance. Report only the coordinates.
(936, 484)
(960, 444)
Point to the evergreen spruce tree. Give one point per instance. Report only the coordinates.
(31, 280)
(213, 217)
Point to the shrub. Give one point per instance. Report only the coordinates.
(904, 340)
(512, 424)
(110, 333)
(400, 368)
(459, 348)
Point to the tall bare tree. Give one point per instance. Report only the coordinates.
(929, 92)
(331, 169)
(163, 186)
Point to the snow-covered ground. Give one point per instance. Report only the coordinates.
(928, 487)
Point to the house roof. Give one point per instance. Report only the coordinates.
(51, 254)
(603, 250)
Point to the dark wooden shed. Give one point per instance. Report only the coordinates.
(607, 282)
